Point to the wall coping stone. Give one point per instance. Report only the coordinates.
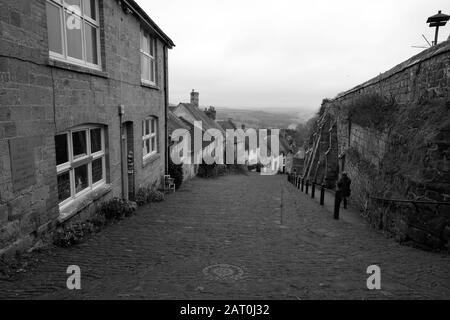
(417, 59)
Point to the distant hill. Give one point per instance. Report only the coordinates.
(282, 118)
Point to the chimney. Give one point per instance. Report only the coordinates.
(195, 98)
(211, 113)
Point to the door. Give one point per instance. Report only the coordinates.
(128, 159)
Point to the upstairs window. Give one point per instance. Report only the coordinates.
(80, 162)
(150, 137)
(74, 31)
(148, 53)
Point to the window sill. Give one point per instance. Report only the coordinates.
(83, 202)
(150, 86)
(76, 68)
(150, 160)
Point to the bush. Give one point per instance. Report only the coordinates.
(147, 195)
(156, 196)
(176, 172)
(73, 234)
(117, 209)
(237, 169)
(207, 170)
(215, 170)
(372, 111)
(142, 196)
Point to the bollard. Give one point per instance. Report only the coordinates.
(307, 187)
(303, 184)
(313, 190)
(322, 195)
(337, 204)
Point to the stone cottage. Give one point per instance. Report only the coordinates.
(191, 113)
(83, 105)
(190, 169)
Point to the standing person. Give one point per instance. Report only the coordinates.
(344, 186)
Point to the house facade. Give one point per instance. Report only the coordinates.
(83, 109)
(193, 115)
(190, 169)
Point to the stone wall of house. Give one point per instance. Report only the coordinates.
(404, 152)
(40, 98)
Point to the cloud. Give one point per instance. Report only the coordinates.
(286, 53)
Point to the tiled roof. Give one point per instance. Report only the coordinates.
(227, 125)
(199, 115)
(174, 123)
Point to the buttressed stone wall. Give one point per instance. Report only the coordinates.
(392, 136)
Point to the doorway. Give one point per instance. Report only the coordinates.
(128, 158)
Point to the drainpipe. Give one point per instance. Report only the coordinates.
(166, 108)
(122, 166)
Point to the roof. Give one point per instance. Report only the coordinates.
(174, 123)
(227, 124)
(434, 51)
(199, 115)
(143, 16)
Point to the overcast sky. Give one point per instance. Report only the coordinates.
(286, 53)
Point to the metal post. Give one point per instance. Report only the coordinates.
(307, 187)
(322, 195)
(436, 36)
(337, 204)
(313, 190)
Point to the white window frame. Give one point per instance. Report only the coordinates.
(146, 54)
(153, 133)
(63, 11)
(88, 159)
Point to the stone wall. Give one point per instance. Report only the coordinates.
(398, 150)
(40, 98)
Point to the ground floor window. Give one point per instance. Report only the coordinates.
(150, 137)
(80, 162)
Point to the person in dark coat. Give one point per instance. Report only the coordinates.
(344, 186)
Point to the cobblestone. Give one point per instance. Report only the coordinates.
(279, 242)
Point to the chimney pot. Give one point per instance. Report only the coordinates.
(195, 98)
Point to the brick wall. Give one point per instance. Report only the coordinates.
(40, 98)
(407, 156)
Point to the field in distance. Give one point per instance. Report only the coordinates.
(281, 118)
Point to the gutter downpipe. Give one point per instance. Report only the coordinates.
(122, 166)
(166, 108)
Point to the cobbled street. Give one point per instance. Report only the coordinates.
(279, 242)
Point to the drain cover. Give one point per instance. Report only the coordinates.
(223, 272)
